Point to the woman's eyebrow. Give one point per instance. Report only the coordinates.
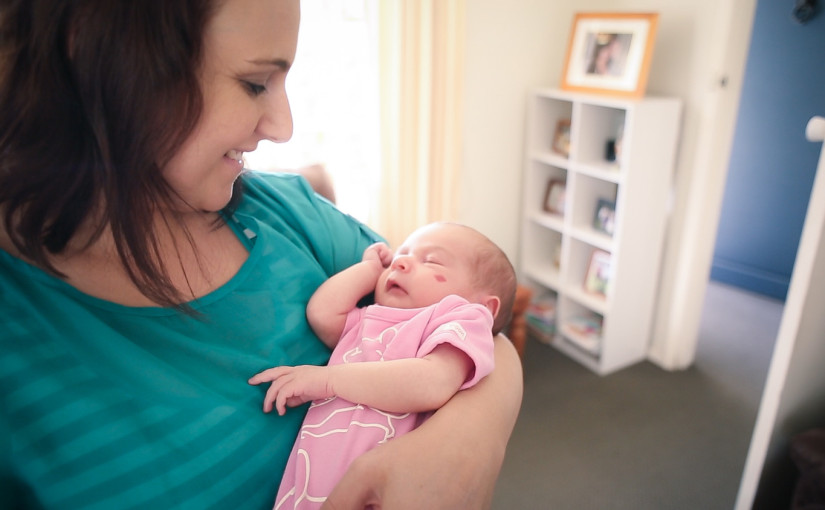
(279, 63)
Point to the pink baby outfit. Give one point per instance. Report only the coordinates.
(336, 431)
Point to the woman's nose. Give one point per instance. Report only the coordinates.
(276, 119)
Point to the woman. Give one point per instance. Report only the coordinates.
(143, 278)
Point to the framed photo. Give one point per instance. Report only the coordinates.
(610, 53)
(554, 196)
(561, 138)
(604, 219)
(597, 278)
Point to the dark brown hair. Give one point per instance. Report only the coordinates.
(96, 95)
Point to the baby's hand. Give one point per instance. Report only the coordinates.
(378, 252)
(293, 386)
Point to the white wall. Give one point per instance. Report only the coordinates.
(511, 47)
(520, 44)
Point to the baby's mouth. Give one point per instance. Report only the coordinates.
(392, 286)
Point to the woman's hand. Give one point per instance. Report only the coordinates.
(452, 461)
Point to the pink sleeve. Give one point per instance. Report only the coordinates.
(354, 318)
(466, 326)
(353, 322)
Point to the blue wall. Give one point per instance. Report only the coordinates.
(772, 164)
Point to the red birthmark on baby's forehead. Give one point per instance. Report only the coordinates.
(440, 278)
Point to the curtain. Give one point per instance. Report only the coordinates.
(421, 71)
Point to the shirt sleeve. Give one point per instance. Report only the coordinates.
(287, 201)
(466, 326)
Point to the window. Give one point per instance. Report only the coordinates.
(333, 91)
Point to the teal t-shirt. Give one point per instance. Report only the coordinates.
(106, 406)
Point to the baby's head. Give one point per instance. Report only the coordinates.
(440, 259)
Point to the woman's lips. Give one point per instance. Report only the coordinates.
(235, 155)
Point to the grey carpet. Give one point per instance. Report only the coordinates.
(643, 438)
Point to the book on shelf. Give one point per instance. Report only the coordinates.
(541, 317)
(585, 327)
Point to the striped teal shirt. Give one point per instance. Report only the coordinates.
(105, 406)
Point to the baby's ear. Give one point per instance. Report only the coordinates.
(492, 303)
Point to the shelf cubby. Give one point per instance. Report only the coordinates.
(620, 151)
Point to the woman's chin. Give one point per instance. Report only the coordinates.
(218, 204)
(211, 203)
(218, 199)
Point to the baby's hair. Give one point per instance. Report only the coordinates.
(495, 273)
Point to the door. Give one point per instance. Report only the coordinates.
(772, 166)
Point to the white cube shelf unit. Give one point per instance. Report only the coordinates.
(605, 327)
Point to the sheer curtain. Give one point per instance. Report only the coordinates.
(333, 93)
(376, 98)
(421, 70)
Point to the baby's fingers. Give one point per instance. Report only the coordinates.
(280, 402)
(269, 399)
(385, 255)
(279, 396)
(268, 375)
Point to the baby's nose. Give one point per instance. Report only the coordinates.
(401, 263)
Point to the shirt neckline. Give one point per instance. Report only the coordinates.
(247, 233)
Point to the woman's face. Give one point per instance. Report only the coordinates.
(249, 46)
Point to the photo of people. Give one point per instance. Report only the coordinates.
(607, 53)
(610, 53)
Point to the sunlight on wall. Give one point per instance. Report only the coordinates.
(333, 91)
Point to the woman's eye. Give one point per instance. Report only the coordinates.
(253, 88)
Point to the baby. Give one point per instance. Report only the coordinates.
(439, 301)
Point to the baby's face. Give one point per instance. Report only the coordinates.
(434, 262)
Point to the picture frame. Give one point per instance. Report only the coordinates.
(554, 196)
(604, 217)
(597, 278)
(561, 138)
(610, 53)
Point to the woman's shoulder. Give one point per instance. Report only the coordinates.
(286, 203)
(276, 186)
(281, 199)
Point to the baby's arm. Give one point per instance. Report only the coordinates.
(399, 386)
(328, 307)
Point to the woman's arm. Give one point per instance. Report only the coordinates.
(452, 460)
